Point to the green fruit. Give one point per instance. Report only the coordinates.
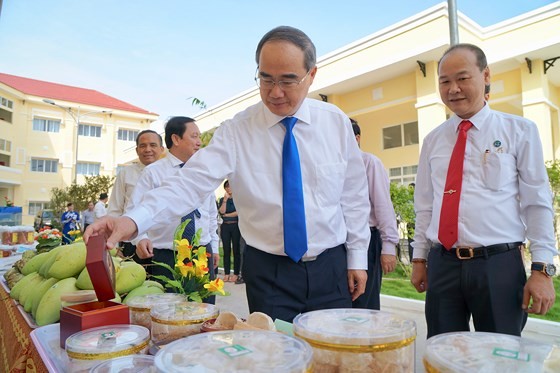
(21, 284)
(44, 269)
(23, 295)
(84, 281)
(34, 263)
(48, 311)
(39, 293)
(130, 276)
(153, 283)
(69, 262)
(142, 290)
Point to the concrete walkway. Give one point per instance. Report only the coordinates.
(536, 329)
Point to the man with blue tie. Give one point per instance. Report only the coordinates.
(300, 183)
(182, 138)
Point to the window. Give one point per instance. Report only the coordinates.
(89, 169)
(403, 175)
(44, 165)
(5, 145)
(6, 108)
(34, 207)
(127, 135)
(396, 136)
(46, 125)
(91, 131)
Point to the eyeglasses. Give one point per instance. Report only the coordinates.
(285, 85)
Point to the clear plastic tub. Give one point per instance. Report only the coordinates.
(141, 306)
(236, 351)
(132, 363)
(88, 348)
(488, 352)
(358, 340)
(173, 321)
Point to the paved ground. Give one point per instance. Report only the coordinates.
(544, 331)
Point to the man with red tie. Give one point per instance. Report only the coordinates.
(481, 191)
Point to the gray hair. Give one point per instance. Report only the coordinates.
(294, 36)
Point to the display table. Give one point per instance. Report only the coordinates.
(18, 353)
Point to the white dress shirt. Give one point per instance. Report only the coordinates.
(382, 214)
(99, 210)
(248, 151)
(122, 189)
(162, 233)
(505, 195)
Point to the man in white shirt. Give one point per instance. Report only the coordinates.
(100, 210)
(88, 216)
(500, 199)
(382, 253)
(248, 151)
(149, 147)
(182, 138)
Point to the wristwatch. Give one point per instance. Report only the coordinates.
(546, 268)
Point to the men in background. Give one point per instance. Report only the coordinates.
(481, 191)
(88, 216)
(149, 147)
(301, 256)
(383, 226)
(182, 138)
(69, 222)
(100, 210)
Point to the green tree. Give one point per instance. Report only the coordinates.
(206, 136)
(402, 197)
(553, 171)
(80, 194)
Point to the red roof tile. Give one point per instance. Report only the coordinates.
(56, 91)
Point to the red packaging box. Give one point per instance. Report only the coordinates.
(103, 312)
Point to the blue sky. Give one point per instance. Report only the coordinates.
(158, 54)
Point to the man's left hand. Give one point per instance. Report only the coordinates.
(216, 258)
(356, 282)
(539, 291)
(388, 263)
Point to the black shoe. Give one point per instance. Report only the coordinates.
(239, 280)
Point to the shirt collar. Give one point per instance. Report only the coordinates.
(478, 120)
(175, 162)
(302, 114)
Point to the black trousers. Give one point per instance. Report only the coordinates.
(488, 289)
(168, 256)
(282, 289)
(370, 298)
(129, 250)
(231, 238)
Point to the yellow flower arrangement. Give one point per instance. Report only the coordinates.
(191, 273)
(76, 234)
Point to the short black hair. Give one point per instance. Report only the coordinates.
(226, 184)
(294, 36)
(69, 204)
(103, 196)
(175, 126)
(355, 127)
(149, 131)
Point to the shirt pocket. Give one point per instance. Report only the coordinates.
(499, 170)
(329, 181)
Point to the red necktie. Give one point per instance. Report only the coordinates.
(449, 217)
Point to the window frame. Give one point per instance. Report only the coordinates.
(47, 164)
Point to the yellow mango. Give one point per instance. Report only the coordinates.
(48, 311)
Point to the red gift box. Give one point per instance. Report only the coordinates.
(102, 312)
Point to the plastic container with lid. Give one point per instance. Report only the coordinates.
(140, 306)
(358, 340)
(87, 348)
(236, 351)
(131, 363)
(173, 321)
(488, 352)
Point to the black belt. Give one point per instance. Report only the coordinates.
(469, 252)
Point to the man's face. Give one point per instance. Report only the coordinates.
(189, 144)
(149, 148)
(461, 83)
(281, 60)
(90, 206)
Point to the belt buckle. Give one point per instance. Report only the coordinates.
(470, 251)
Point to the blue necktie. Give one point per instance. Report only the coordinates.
(295, 233)
(190, 229)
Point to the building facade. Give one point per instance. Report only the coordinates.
(388, 81)
(52, 135)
